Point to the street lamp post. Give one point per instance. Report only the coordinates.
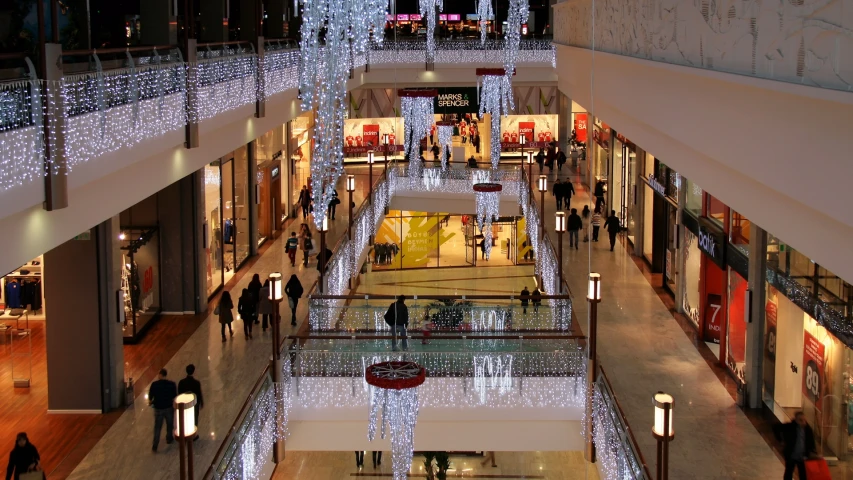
(663, 432)
(560, 228)
(543, 187)
(593, 296)
(385, 142)
(350, 189)
(185, 430)
(323, 229)
(530, 170)
(523, 139)
(370, 161)
(275, 296)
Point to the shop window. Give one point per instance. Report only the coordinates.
(693, 198)
(692, 272)
(715, 210)
(140, 278)
(213, 226)
(736, 331)
(739, 232)
(22, 290)
(229, 227)
(241, 205)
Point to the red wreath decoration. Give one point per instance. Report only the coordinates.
(410, 92)
(488, 187)
(395, 375)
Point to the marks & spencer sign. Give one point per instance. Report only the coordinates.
(456, 100)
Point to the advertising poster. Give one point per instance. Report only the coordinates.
(370, 134)
(713, 318)
(580, 127)
(418, 236)
(363, 134)
(540, 129)
(814, 364)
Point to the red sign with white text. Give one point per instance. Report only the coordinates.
(527, 129)
(580, 127)
(370, 134)
(813, 368)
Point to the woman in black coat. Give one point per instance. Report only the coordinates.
(24, 458)
(247, 307)
(255, 289)
(293, 290)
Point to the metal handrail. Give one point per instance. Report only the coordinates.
(621, 413)
(440, 297)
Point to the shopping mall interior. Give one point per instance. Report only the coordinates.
(437, 239)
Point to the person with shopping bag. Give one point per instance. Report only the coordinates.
(24, 461)
(799, 447)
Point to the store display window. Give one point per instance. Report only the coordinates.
(692, 272)
(715, 210)
(140, 278)
(268, 150)
(736, 329)
(229, 227)
(693, 198)
(213, 226)
(810, 372)
(241, 204)
(739, 232)
(22, 295)
(301, 146)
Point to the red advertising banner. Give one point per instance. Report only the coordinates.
(528, 130)
(377, 150)
(713, 318)
(580, 127)
(813, 368)
(370, 134)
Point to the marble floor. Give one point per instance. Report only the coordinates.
(227, 371)
(644, 350)
(510, 465)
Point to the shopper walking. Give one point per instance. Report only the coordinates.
(23, 458)
(561, 160)
(291, 247)
(359, 459)
(293, 290)
(246, 308)
(600, 189)
(574, 226)
(377, 458)
(189, 384)
(397, 317)
(557, 192)
(333, 205)
(525, 298)
(488, 456)
(568, 191)
(540, 159)
(536, 299)
(596, 224)
(586, 217)
(305, 243)
(612, 227)
(265, 305)
(226, 316)
(304, 200)
(255, 289)
(161, 396)
(799, 444)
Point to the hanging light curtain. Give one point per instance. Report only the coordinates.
(427, 8)
(417, 109)
(496, 100)
(445, 140)
(488, 201)
(485, 13)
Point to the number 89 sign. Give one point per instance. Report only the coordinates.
(813, 368)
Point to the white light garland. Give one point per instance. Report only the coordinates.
(458, 51)
(224, 83)
(399, 410)
(21, 137)
(418, 114)
(445, 139)
(496, 100)
(616, 456)
(488, 208)
(427, 9)
(281, 71)
(518, 13)
(485, 13)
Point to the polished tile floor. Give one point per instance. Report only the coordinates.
(227, 371)
(510, 465)
(643, 350)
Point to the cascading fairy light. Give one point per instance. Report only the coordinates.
(492, 371)
(21, 144)
(485, 13)
(445, 139)
(496, 100)
(417, 110)
(427, 8)
(488, 199)
(518, 13)
(394, 391)
(345, 27)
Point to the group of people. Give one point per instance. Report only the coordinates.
(562, 192)
(548, 156)
(384, 253)
(306, 203)
(161, 397)
(527, 298)
(255, 303)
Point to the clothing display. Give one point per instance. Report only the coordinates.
(228, 233)
(13, 294)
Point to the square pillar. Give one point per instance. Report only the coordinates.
(756, 293)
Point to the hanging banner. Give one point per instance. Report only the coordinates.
(813, 363)
(713, 318)
(528, 130)
(460, 100)
(580, 127)
(770, 314)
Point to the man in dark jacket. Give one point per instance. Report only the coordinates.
(161, 396)
(574, 225)
(397, 317)
(304, 200)
(799, 444)
(568, 191)
(190, 385)
(524, 300)
(612, 227)
(557, 192)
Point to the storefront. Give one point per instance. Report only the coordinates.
(408, 239)
(22, 295)
(362, 135)
(272, 188)
(226, 217)
(623, 192)
(539, 131)
(599, 163)
(140, 279)
(300, 132)
(660, 215)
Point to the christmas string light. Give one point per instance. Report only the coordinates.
(281, 71)
(457, 51)
(616, 456)
(224, 83)
(487, 200)
(445, 140)
(517, 16)
(427, 9)
(496, 100)
(21, 142)
(485, 13)
(417, 109)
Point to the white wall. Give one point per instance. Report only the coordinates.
(776, 152)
